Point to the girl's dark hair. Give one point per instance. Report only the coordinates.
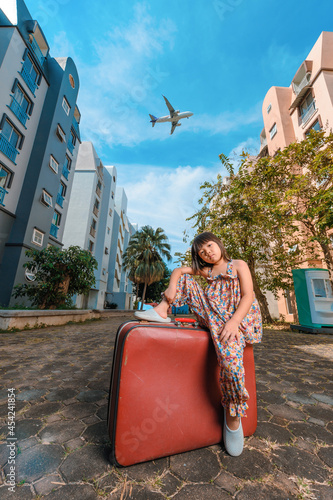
(197, 262)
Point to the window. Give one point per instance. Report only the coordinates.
(72, 139)
(106, 251)
(110, 211)
(37, 237)
(5, 177)
(269, 107)
(288, 302)
(46, 198)
(66, 106)
(90, 246)
(10, 133)
(93, 223)
(61, 134)
(68, 162)
(315, 126)
(273, 131)
(21, 105)
(53, 164)
(31, 69)
(56, 218)
(307, 107)
(108, 230)
(62, 189)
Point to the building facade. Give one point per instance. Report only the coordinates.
(289, 113)
(97, 222)
(39, 134)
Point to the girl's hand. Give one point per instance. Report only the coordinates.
(170, 294)
(230, 332)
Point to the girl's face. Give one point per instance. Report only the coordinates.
(210, 252)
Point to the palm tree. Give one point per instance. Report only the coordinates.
(144, 256)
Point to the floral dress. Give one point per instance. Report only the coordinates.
(213, 307)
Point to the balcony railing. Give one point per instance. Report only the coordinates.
(65, 172)
(297, 87)
(98, 191)
(95, 210)
(28, 80)
(36, 49)
(60, 200)
(92, 231)
(70, 146)
(308, 112)
(18, 111)
(3, 193)
(76, 127)
(7, 149)
(54, 230)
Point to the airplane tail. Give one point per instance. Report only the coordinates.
(152, 119)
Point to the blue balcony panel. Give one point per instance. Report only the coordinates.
(76, 127)
(60, 200)
(7, 149)
(70, 146)
(3, 193)
(65, 172)
(54, 230)
(18, 111)
(28, 80)
(37, 51)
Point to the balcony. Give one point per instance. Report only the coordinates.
(3, 193)
(7, 149)
(60, 200)
(98, 191)
(35, 47)
(308, 112)
(18, 111)
(75, 126)
(54, 230)
(95, 211)
(32, 85)
(65, 172)
(70, 146)
(92, 231)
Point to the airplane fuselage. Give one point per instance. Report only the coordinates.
(179, 116)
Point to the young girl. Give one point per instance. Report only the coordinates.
(227, 306)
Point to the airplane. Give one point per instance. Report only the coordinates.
(173, 117)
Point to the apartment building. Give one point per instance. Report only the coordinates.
(289, 113)
(39, 134)
(97, 222)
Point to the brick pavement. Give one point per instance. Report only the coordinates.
(62, 375)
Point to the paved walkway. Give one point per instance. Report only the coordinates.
(61, 378)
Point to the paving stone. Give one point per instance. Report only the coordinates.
(30, 395)
(61, 394)
(110, 481)
(326, 455)
(200, 492)
(251, 464)
(320, 412)
(263, 415)
(3, 394)
(21, 493)
(27, 443)
(3, 454)
(42, 410)
(102, 413)
(302, 398)
(87, 463)
(79, 410)
(47, 484)
(93, 419)
(169, 484)
(19, 405)
(286, 412)
(322, 491)
(263, 492)
(97, 433)
(91, 396)
(301, 463)
(26, 428)
(273, 432)
(74, 444)
(228, 482)
(137, 492)
(60, 432)
(38, 461)
(198, 465)
(311, 432)
(323, 398)
(147, 470)
(305, 445)
(316, 421)
(73, 492)
(271, 397)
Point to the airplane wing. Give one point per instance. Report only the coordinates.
(173, 126)
(170, 108)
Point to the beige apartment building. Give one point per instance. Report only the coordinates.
(289, 113)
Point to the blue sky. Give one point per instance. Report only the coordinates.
(215, 58)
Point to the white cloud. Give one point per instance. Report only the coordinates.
(164, 197)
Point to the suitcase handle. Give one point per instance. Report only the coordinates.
(191, 321)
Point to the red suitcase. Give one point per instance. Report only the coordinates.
(164, 394)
